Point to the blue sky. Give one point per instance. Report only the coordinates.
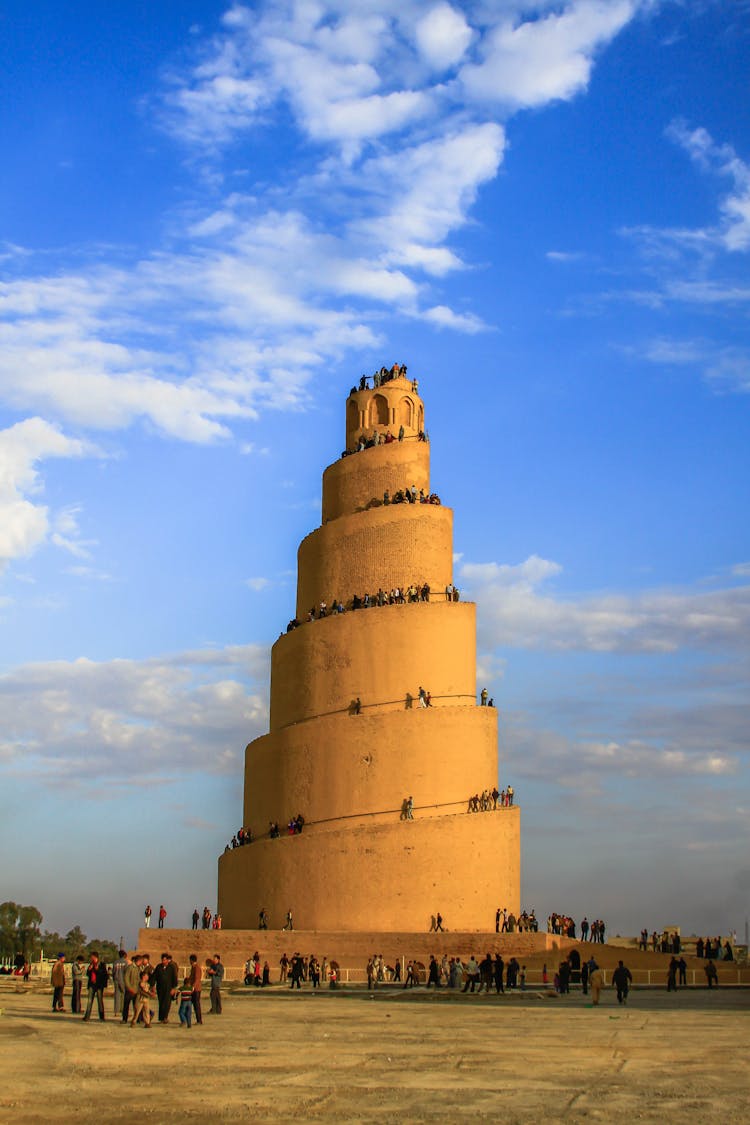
(214, 219)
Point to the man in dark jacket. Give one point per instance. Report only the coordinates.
(622, 979)
(165, 979)
(98, 977)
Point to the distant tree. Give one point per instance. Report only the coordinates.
(21, 933)
(52, 943)
(29, 931)
(75, 943)
(8, 929)
(107, 950)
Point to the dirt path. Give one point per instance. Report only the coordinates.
(414, 1057)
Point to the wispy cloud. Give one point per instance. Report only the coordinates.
(84, 722)
(517, 611)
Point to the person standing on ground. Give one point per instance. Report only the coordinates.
(58, 984)
(196, 918)
(185, 1010)
(147, 917)
(165, 979)
(215, 972)
(98, 977)
(196, 980)
(162, 916)
(131, 979)
(289, 924)
(712, 977)
(622, 979)
(142, 1006)
(596, 980)
(118, 980)
(78, 974)
(472, 974)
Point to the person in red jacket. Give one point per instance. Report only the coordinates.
(98, 977)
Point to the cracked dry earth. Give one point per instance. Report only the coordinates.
(417, 1057)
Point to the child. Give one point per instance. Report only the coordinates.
(141, 1005)
(186, 1003)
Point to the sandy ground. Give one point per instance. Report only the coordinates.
(393, 1055)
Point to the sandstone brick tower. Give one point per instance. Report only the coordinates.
(358, 865)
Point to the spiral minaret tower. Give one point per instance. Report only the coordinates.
(349, 740)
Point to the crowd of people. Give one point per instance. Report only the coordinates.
(490, 799)
(475, 976)
(378, 438)
(384, 375)
(246, 836)
(705, 948)
(415, 592)
(408, 495)
(137, 985)
(506, 922)
(294, 971)
(590, 931)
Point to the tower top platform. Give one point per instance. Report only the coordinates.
(387, 400)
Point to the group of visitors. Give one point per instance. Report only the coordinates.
(490, 799)
(712, 950)
(297, 969)
(506, 922)
(398, 595)
(148, 913)
(475, 976)
(378, 438)
(208, 921)
(241, 837)
(384, 375)
(136, 985)
(246, 836)
(408, 495)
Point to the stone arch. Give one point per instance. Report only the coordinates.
(379, 410)
(352, 415)
(405, 413)
(574, 958)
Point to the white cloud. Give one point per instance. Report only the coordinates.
(440, 179)
(252, 296)
(445, 317)
(515, 612)
(24, 524)
(81, 722)
(443, 36)
(531, 62)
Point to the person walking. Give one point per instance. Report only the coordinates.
(596, 980)
(622, 979)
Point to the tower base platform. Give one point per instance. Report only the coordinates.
(350, 950)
